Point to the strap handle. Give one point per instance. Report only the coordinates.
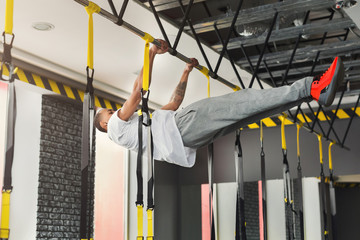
(140, 233)
(146, 70)
(9, 16)
(90, 9)
(283, 139)
(298, 126)
(330, 155)
(320, 149)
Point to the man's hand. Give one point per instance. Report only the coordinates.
(189, 66)
(163, 49)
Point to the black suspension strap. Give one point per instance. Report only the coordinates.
(263, 182)
(299, 176)
(211, 189)
(6, 64)
(289, 203)
(139, 174)
(323, 198)
(240, 229)
(145, 92)
(332, 194)
(87, 144)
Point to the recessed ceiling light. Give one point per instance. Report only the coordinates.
(43, 26)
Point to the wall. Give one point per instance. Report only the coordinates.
(345, 162)
(26, 160)
(110, 193)
(59, 192)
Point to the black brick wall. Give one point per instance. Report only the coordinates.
(59, 192)
(251, 210)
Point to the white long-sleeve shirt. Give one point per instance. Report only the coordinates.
(168, 145)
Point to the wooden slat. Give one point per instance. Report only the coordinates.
(260, 13)
(288, 33)
(161, 5)
(307, 53)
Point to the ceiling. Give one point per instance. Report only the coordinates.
(303, 32)
(118, 53)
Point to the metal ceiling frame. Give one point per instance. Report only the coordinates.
(264, 66)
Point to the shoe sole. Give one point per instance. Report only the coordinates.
(327, 98)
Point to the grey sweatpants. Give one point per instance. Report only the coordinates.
(202, 122)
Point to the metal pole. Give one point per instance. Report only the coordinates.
(140, 33)
(263, 50)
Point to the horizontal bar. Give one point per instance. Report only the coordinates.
(141, 34)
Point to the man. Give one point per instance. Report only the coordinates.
(177, 135)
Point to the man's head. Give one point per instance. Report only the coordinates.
(102, 118)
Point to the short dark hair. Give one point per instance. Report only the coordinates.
(97, 120)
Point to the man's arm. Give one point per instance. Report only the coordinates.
(179, 92)
(133, 101)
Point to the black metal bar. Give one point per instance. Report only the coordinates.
(316, 118)
(230, 58)
(181, 28)
(270, 74)
(250, 65)
(159, 22)
(337, 108)
(263, 50)
(123, 8)
(207, 10)
(290, 61)
(294, 51)
(198, 41)
(313, 113)
(352, 117)
(307, 128)
(228, 36)
(346, 34)
(113, 9)
(304, 116)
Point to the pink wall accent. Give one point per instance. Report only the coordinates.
(261, 219)
(109, 196)
(205, 212)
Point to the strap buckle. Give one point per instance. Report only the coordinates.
(145, 107)
(4, 233)
(7, 48)
(90, 77)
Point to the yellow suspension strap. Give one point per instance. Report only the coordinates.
(6, 62)
(87, 161)
(332, 190)
(210, 149)
(323, 190)
(299, 176)
(289, 204)
(145, 92)
(263, 181)
(240, 227)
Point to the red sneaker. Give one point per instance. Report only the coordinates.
(323, 88)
